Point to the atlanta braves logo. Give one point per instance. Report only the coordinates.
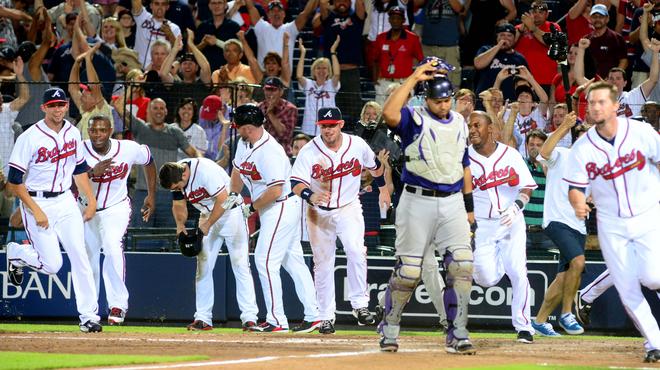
(621, 165)
(249, 169)
(55, 154)
(506, 175)
(197, 195)
(350, 167)
(527, 125)
(112, 173)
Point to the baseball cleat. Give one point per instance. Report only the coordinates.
(116, 316)
(545, 329)
(388, 345)
(652, 356)
(91, 327)
(570, 325)
(525, 337)
(582, 309)
(249, 325)
(327, 327)
(363, 316)
(270, 328)
(460, 347)
(14, 273)
(307, 326)
(199, 325)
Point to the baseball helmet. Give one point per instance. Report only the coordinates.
(191, 244)
(439, 88)
(439, 64)
(248, 114)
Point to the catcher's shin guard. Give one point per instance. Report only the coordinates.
(458, 265)
(404, 279)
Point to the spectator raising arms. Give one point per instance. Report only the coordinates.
(152, 27)
(321, 91)
(274, 64)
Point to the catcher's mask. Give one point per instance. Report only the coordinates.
(191, 244)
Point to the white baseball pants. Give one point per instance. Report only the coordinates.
(231, 229)
(324, 226)
(106, 232)
(631, 251)
(43, 255)
(499, 250)
(279, 246)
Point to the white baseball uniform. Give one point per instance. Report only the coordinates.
(500, 249)
(624, 184)
(630, 102)
(337, 172)
(206, 181)
(48, 159)
(113, 212)
(262, 165)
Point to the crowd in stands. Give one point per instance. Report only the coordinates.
(169, 73)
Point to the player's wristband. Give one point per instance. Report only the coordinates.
(468, 200)
(306, 194)
(522, 200)
(379, 181)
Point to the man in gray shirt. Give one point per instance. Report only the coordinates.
(163, 140)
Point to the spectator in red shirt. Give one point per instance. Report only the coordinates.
(578, 22)
(529, 43)
(608, 48)
(281, 116)
(395, 53)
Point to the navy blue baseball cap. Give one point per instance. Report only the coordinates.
(328, 116)
(54, 95)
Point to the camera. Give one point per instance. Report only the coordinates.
(557, 44)
(376, 136)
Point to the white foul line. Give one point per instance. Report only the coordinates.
(256, 359)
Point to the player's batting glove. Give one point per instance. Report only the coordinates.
(509, 215)
(234, 199)
(247, 210)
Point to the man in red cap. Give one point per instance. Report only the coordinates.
(281, 115)
(327, 175)
(213, 121)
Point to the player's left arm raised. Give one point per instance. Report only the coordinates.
(23, 91)
(648, 85)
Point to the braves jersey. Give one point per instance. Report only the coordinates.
(497, 180)
(262, 165)
(338, 173)
(623, 182)
(110, 187)
(206, 181)
(630, 102)
(48, 158)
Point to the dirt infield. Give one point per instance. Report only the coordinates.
(288, 351)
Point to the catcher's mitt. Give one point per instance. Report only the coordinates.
(191, 244)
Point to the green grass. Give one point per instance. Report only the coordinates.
(72, 328)
(34, 360)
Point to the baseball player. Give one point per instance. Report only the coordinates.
(586, 296)
(565, 230)
(45, 158)
(432, 211)
(203, 183)
(502, 185)
(327, 175)
(111, 161)
(618, 159)
(262, 165)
